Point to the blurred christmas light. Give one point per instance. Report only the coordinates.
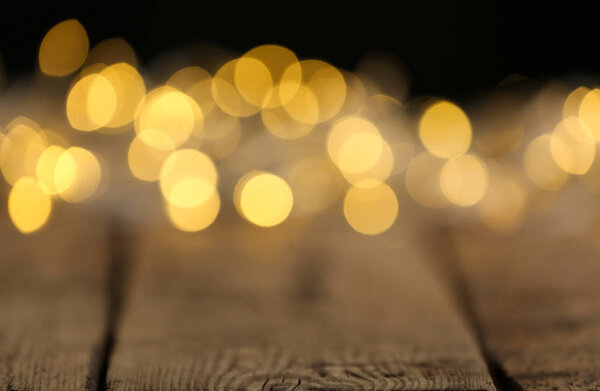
(264, 199)
(370, 208)
(423, 180)
(77, 174)
(28, 205)
(573, 146)
(64, 48)
(464, 180)
(188, 178)
(341, 142)
(445, 130)
(540, 167)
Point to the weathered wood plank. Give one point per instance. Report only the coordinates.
(537, 300)
(289, 308)
(53, 304)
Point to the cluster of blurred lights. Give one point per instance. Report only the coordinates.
(296, 137)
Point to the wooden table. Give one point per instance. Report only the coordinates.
(90, 304)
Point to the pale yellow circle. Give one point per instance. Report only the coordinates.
(101, 101)
(266, 200)
(379, 172)
(280, 123)
(64, 48)
(572, 146)
(190, 192)
(322, 90)
(91, 103)
(253, 81)
(589, 112)
(354, 144)
(166, 118)
(29, 207)
(277, 60)
(464, 180)
(20, 149)
(445, 130)
(144, 161)
(301, 104)
(371, 210)
(540, 167)
(195, 218)
(46, 168)
(572, 103)
(226, 94)
(360, 153)
(188, 178)
(77, 175)
(129, 90)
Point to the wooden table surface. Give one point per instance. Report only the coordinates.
(87, 304)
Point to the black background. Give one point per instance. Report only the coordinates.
(450, 48)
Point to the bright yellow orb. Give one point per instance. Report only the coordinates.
(265, 199)
(589, 112)
(445, 130)
(573, 146)
(77, 174)
(28, 205)
(195, 218)
(188, 178)
(371, 210)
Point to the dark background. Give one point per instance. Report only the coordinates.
(450, 48)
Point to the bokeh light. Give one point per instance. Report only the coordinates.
(589, 111)
(264, 199)
(64, 48)
(354, 144)
(320, 94)
(371, 209)
(253, 80)
(144, 161)
(91, 102)
(77, 175)
(226, 94)
(46, 168)
(572, 146)
(188, 178)
(166, 118)
(260, 72)
(540, 167)
(464, 180)
(29, 206)
(20, 150)
(294, 137)
(445, 130)
(572, 103)
(194, 218)
(503, 206)
(129, 90)
(423, 180)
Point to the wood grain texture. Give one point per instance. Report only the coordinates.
(52, 303)
(289, 308)
(537, 300)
